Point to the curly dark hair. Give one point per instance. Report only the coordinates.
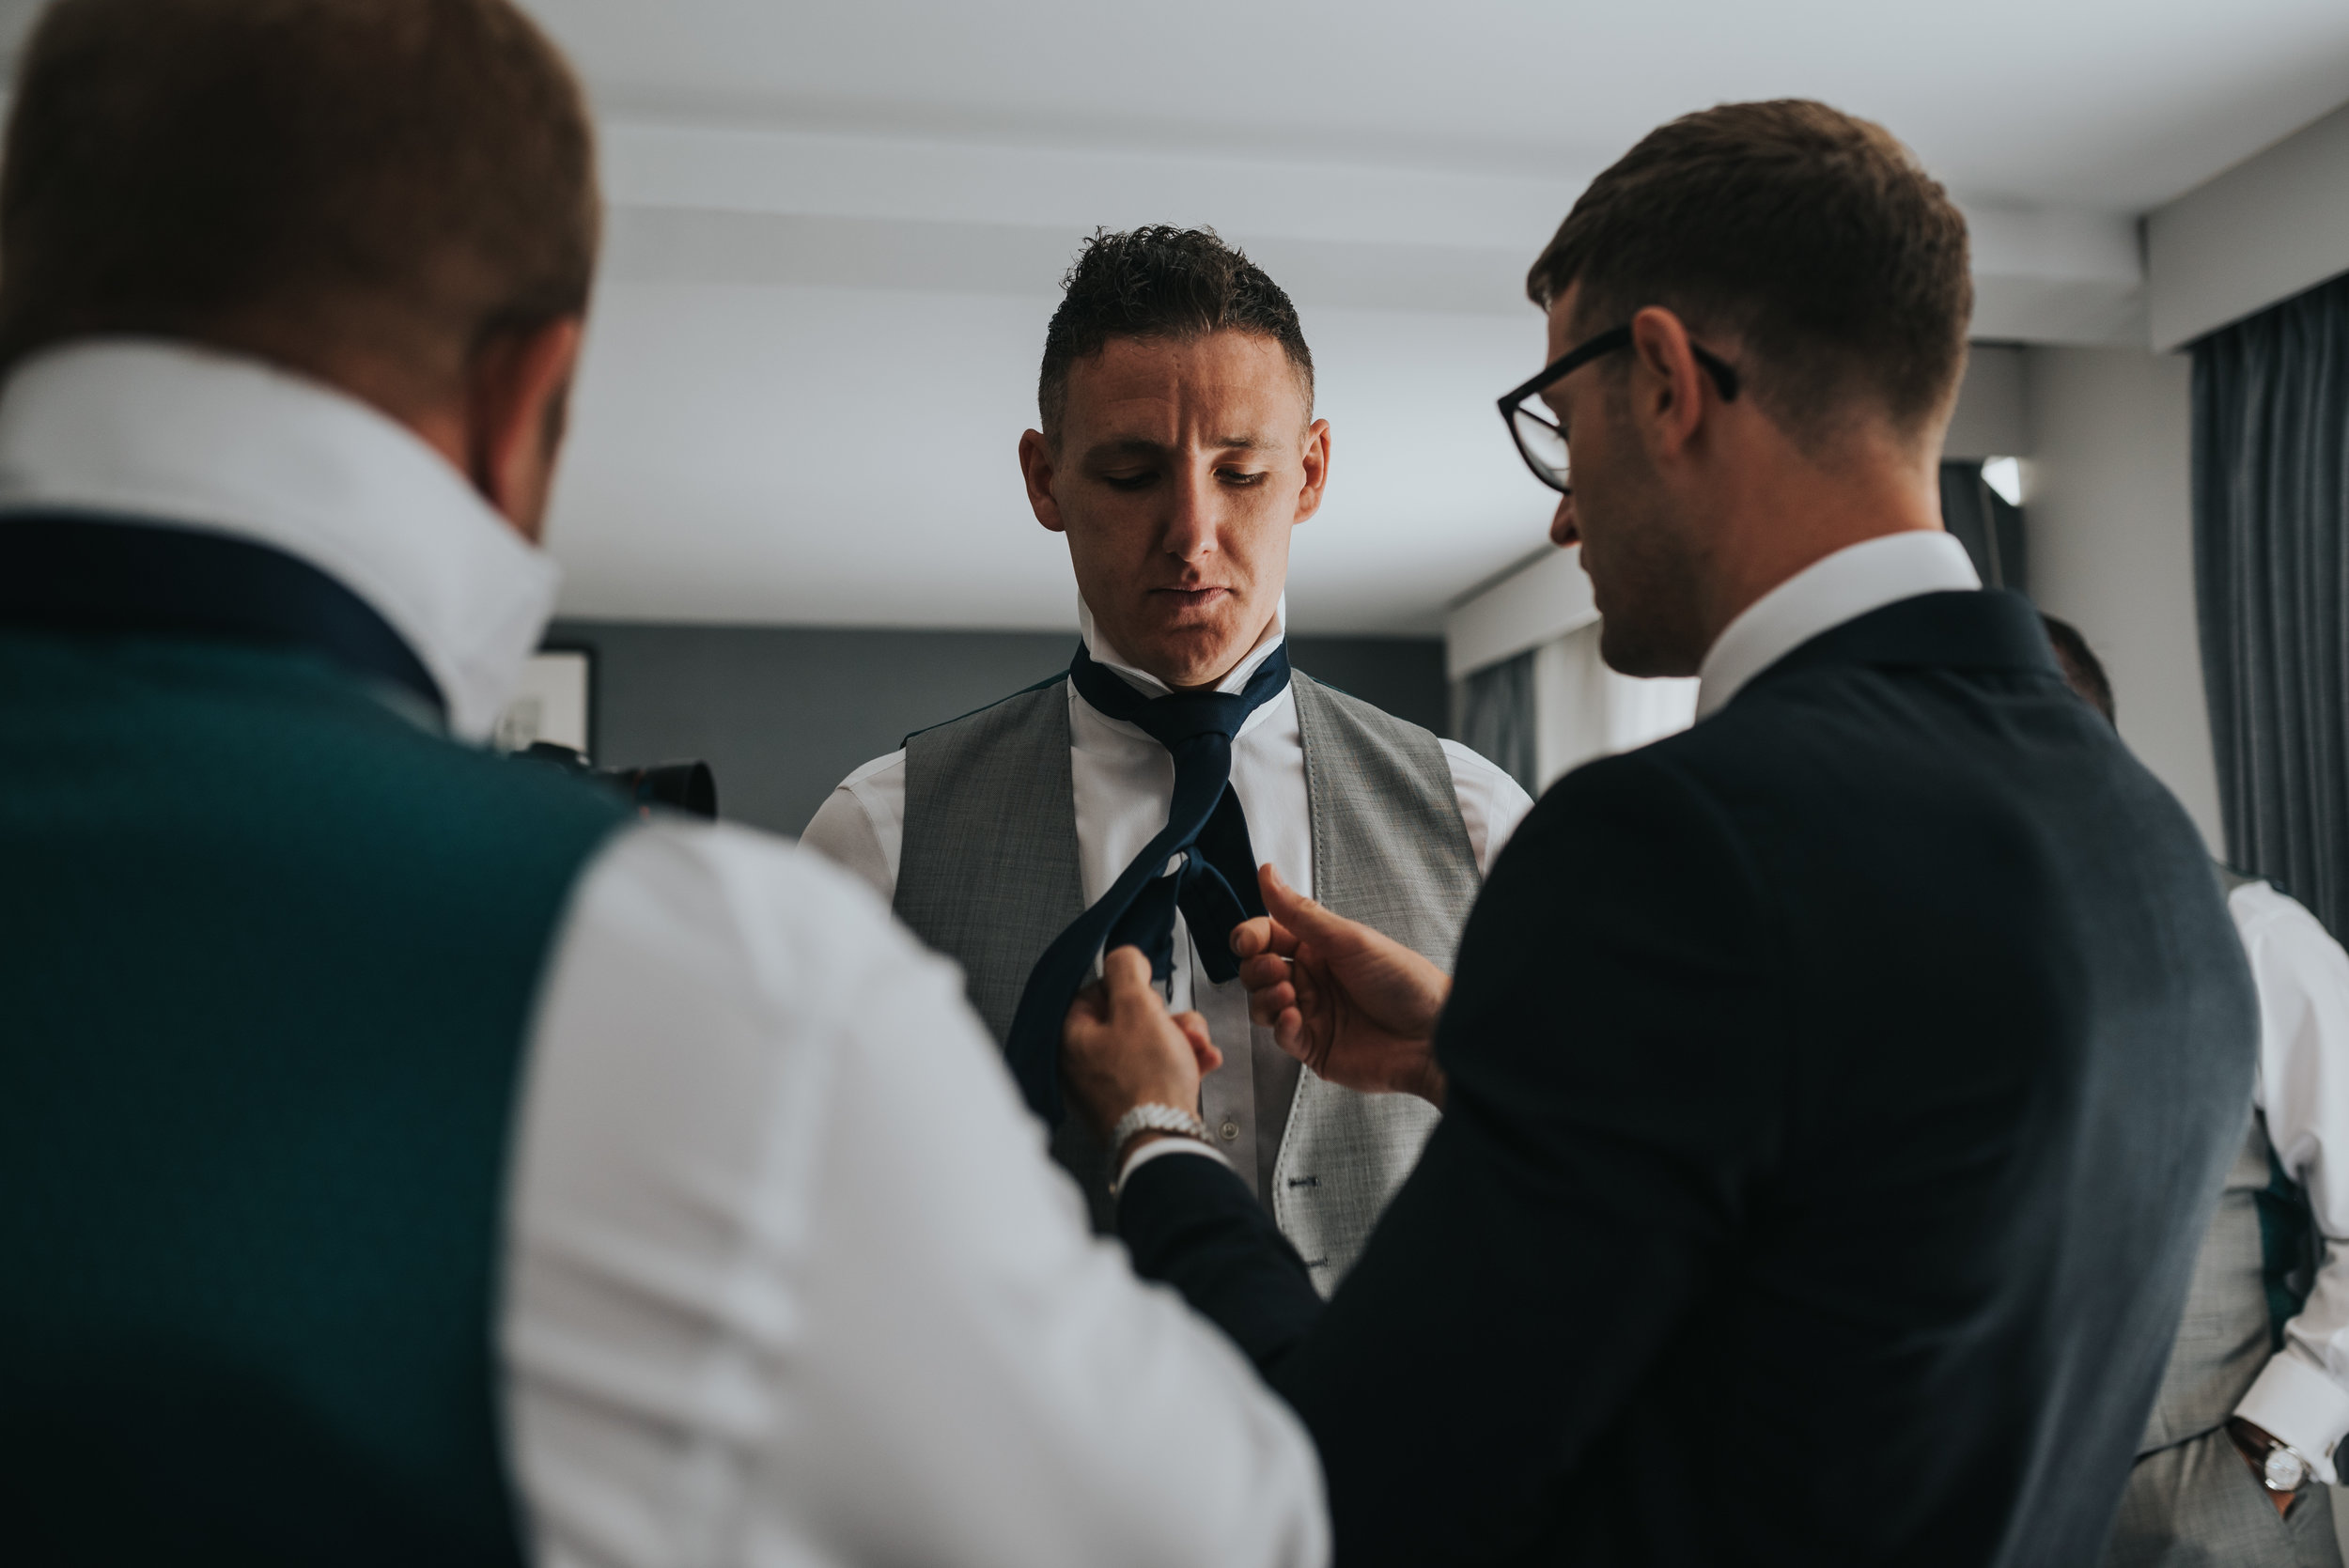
(1160, 282)
(2082, 671)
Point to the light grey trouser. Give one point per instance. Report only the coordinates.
(2195, 1504)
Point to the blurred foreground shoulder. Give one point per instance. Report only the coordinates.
(771, 1162)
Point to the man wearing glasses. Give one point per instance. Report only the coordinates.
(1833, 1092)
(1178, 449)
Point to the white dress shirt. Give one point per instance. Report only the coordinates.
(1837, 588)
(790, 1279)
(1124, 785)
(2302, 976)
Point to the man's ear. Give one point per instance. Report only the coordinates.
(1316, 471)
(516, 391)
(1039, 466)
(1667, 397)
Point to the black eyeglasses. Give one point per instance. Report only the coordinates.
(1540, 443)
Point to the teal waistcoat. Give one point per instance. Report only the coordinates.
(268, 955)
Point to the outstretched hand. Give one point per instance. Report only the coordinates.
(1356, 1007)
(1121, 1048)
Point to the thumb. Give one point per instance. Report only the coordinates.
(1300, 914)
(1126, 978)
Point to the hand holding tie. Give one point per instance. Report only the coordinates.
(1356, 1007)
(1121, 1048)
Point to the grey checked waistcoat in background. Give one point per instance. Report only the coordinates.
(2191, 1499)
(989, 874)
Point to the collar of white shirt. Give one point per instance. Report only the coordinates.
(176, 435)
(1842, 586)
(1105, 654)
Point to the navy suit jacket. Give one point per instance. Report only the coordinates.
(1838, 1093)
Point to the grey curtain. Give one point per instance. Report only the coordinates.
(2271, 572)
(1497, 716)
(1986, 524)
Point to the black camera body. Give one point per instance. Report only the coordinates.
(686, 786)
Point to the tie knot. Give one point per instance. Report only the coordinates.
(1180, 716)
(1189, 715)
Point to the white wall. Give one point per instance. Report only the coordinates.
(2273, 224)
(1583, 710)
(2106, 495)
(1992, 417)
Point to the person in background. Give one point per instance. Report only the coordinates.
(1177, 452)
(407, 1157)
(1835, 1092)
(2236, 1462)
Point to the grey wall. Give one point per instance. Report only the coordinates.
(783, 714)
(1991, 419)
(2108, 492)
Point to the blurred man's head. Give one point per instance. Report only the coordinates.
(2082, 671)
(1806, 251)
(1178, 446)
(394, 196)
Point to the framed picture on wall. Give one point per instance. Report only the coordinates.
(555, 703)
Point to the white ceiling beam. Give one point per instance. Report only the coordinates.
(790, 208)
(1072, 190)
(990, 218)
(1545, 598)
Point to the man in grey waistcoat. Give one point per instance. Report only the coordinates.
(2236, 1457)
(1136, 794)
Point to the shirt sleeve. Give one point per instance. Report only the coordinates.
(791, 1278)
(1491, 802)
(861, 826)
(2302, 1395)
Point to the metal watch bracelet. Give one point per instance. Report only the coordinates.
(1151, 1117)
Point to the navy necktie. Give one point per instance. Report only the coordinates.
(1215, 887)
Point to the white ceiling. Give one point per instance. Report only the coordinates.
(836, 232)
(2113, 103)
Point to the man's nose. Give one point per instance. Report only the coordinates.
(1562, 529)
(1190, 527)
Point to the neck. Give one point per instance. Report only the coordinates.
(1780, 527)
(1104, 651)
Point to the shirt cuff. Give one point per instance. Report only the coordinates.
(1157, 1146)
(2295, 1402)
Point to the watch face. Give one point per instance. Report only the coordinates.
(2285, 1472)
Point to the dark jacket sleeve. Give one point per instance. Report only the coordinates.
(1616, 1051)
(1194, 1224)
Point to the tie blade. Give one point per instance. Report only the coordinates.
(1148, 923)
(1204, 824)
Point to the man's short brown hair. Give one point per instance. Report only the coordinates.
(1814, 237)
(421, 171)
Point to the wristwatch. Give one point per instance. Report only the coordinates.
(1151, 1118)
(2281, 1467)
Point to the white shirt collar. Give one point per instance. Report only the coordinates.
(1105, 654)
(1841, 587)
(174, 434)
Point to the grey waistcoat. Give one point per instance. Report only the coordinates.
(2224, 1337)
(2228, 1331)
(989, 874)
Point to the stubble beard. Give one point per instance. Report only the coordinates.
(1652, 625)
